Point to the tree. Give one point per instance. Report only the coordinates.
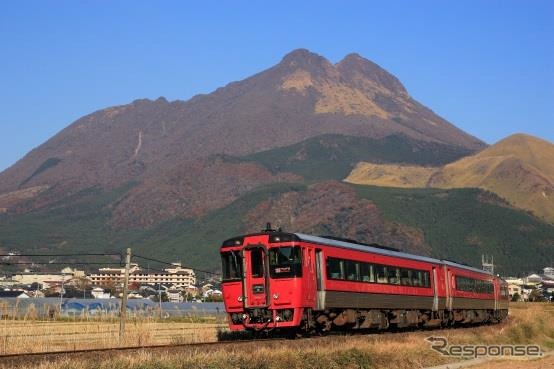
(157, 296)
(536, 296)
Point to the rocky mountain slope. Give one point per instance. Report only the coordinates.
(519, 168)
(168, 148)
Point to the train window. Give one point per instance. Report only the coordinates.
(231, 265)
(394, 275)
(285, 262)
(257, 263)
(375, 273)
(417, 278)
(405, 277)
(351, 270)
(426, 279)
(381, 274)
(335, 269)
(474, 285)
(366, 273)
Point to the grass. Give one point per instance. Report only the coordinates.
(333, 156)
(22, 330)
(21, 336)
(463, 224)
(530, 323)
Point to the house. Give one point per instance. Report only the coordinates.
(533, 279)
(99, 293)
(35, 293)
(513, 289)
(174, 295)
(207, 287)
(548, 272)
(211, 292)
(14, 294)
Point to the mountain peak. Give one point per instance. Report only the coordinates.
(523, 137)
(307, 60)
(353, 65)
(303, 55)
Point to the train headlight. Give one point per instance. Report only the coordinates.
(240, 299)
(275, 296)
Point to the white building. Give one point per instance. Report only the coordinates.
(548, 272)
(174, 295)
(99, 293)
(175, 275)
(46, 280)
(533, 279)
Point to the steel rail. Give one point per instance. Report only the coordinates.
(131, 348)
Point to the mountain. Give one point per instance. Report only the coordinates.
(172, 179)
(519, 168)
(171, 149)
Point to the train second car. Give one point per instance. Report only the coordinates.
(297, 282)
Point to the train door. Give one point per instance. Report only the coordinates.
(255, 277)
(435, 290)
(450, 285)
(310, 273)
(320, 282)
(496, 286)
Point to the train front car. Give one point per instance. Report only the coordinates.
(263, 284)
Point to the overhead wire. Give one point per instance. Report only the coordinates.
(169, 263)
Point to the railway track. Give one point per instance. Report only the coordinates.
(15, 360)
(29, 358)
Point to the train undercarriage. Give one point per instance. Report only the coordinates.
(321, 322)
(396, 319)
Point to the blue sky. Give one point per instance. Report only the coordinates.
(486, 66)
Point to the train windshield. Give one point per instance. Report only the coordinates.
(285, 262)
(232, 265)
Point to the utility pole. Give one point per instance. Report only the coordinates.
(160, 298)
(123, 312)
(62, 293)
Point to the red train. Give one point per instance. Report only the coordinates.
(292, 281)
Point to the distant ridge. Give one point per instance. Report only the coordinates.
(519, 168)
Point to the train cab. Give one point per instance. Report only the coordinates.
(262, 282)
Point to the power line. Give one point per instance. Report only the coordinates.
(54, 263)
(169, 263)
(90, 263)
(60, 255)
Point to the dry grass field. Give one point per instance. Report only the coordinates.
(527, 324)
(20, 336)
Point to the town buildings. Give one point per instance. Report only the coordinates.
(175, 275)
(176, 282)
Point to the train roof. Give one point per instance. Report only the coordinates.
(382, 251)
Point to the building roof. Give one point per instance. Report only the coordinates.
(4, 294)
